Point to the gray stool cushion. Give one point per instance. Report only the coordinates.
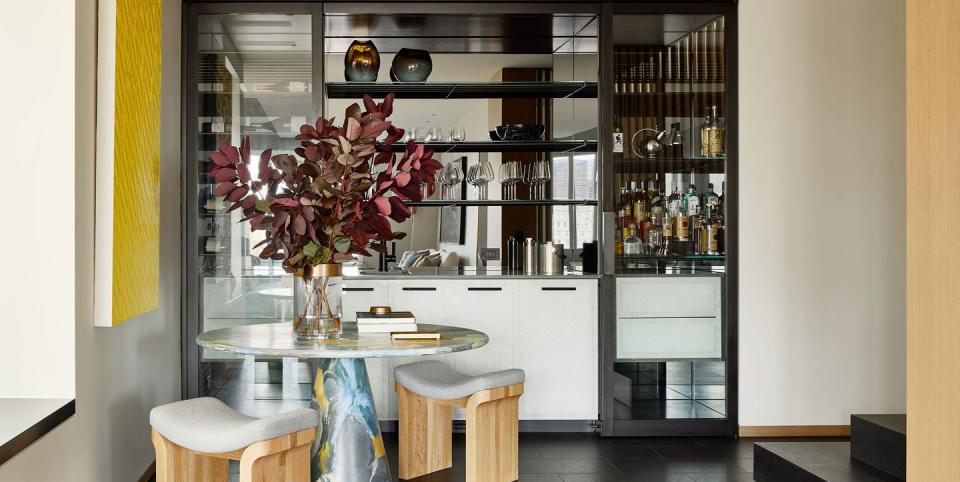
(435, 380)
(208, 425)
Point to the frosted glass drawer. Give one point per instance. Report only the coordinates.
(679, 296)
(669, 338)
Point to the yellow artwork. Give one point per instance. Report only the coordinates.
(127, 253)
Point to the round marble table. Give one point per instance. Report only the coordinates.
(348, 446)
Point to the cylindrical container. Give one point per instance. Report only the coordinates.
(321, 318)
(530, 256)
(551, 258)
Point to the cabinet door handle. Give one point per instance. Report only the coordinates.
(559, 288)
(357, 289)
(484, 288)
(418, 288)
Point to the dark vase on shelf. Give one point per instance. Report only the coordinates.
(361, 62)
(411, 65)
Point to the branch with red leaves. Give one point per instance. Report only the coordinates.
(333, 198)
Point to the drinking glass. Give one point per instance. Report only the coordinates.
(435, 134)
(458, 134)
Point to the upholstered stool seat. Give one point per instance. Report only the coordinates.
(427, 392)
(195, 439)
(437, 381)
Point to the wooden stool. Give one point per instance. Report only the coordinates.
(195, 440)
(428, 391)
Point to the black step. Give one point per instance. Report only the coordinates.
(880, 441)
(810, 462)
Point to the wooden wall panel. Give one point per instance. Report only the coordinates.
(933, 240)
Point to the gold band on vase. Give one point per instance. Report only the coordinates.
(329, 270)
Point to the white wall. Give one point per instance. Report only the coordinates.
(822, 310)
(37, 138)
(121, 372)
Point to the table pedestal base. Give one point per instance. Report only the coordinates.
(349, 446)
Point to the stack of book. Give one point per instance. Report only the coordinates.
(380, 319)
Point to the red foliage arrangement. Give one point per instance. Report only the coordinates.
(334, 200)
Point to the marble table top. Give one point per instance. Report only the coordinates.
(277, 339)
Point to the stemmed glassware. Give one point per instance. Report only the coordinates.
(536, 174)
(538, 177)
(510, 173)
(451, 175)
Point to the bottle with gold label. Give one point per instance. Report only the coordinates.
(715, 134)
(618, 244)
(718, 229)
(705, 136)
(667, 231)
(641, 206)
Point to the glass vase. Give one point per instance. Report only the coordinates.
(321, 318)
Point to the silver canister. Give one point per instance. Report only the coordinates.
(530, 256)
(551, 258)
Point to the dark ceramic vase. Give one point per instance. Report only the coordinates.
(411, 65)
(361, 62)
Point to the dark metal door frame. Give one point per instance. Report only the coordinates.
(609, 426)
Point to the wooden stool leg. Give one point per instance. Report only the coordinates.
(425, 433)
(282, 459)
(492, 435)
(178, 464)
(296, 464)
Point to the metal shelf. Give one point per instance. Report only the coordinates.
(501, 146)
(504, 202)
(692, 257)
(712, 165)
(464, 90)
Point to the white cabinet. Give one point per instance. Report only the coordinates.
(546, 327)
(675, 318)
(556, 332)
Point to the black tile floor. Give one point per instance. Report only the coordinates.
(572, 457)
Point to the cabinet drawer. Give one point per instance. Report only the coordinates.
(681, 296)
(669, 338)
(360, 295)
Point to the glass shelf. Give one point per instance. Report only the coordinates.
(502, 146)
(464, 90)
(505, 202)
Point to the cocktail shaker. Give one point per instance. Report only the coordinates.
(531, 255)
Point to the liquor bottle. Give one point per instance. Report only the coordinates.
(618, 244)
(702, 232)
(654, 196)
(631, 243)
(617, 140)
(691, 201)
(675, 202)
(716, 134)
(627, 200)
(621, 212)
(641, 206)
(667, 233)
(718, 229)
(710, 202)
(712, 238)
(675, 144)
(655, 236)
(705, 136)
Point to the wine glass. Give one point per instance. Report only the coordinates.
(455, 176)
(485, 172)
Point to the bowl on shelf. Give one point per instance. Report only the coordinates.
(518, 132)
